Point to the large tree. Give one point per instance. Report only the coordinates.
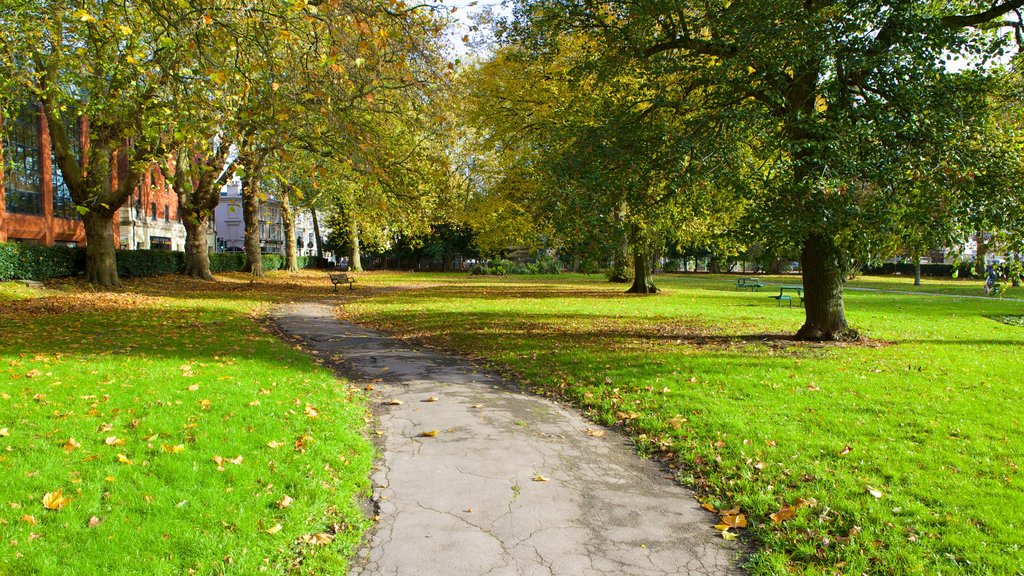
(107, 63)
(824, 74)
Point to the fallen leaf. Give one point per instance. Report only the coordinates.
(275, 444)
(808, 503)
(729, 535)
(204, 404)
(285, 502)
(873, 491)
(113, 441)
(4, 432)
(275, 529)
(708, 507)
(55, 500)
(846, 450)
(539, 478)
(193, 388)
(29, 519)
(319, 539)
(220, 463)
(105, 427)
(123, 459)
(429, 434)
(394, 402)
(478, 406)
(237, 460)
(311, 411)
(431, 399)
(94, 522)
(784, 513)
(71, 444)
(173, 449)
(595, 433)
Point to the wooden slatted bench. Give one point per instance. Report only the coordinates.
(342, 279)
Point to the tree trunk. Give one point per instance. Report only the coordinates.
(643, 280)
(979, 259)
(823, 275)
(316, 236)
(250, 215)
(917, 269)
(291, 259)
(354, 262)
(100, 254)
(197, 251)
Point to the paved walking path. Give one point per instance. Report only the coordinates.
(512, 484)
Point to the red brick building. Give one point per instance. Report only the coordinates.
(36, 206)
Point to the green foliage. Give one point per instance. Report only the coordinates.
(500, 267)
(272, 262)
(226, 261)
(930, 270)
(31, 262)
(140, 263)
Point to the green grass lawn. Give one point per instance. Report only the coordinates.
(150, 433)
(898, 456)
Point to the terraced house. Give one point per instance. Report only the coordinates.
(36, 206)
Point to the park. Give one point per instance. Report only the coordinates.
(536, 287)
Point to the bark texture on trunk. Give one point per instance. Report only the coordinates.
(643, 279)
(290, 257)
(355, 263)
(197, 252)
(250, 216)
(917, 270)
(100, 253)
(979, 260)
(316, 236)
(824, 275)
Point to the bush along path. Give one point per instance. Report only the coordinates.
(475, 477)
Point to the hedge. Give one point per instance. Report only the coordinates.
(139, 263)
(227, 261)
(33, 262)
(930, 270)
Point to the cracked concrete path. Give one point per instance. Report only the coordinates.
(474, 500)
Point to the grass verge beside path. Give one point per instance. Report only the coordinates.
(163, 431)
(898, 456)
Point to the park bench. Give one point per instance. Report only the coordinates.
(752, 283)
(783, 297)
(342, 279)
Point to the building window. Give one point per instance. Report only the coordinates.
(167, 213)
(152, 210)
(159, 243)
(63, 205)
(21, 153)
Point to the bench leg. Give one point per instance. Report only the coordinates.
(351, 285)
(335, 286)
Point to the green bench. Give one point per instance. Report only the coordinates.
(752, 283)
(783, 297)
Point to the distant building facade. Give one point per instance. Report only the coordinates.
(230, 226)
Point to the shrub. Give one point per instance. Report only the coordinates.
(139, 263)
(272, 262)
(930, 270)
(226, 261)
(548, 265)
(502, 267)
(31, 262)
